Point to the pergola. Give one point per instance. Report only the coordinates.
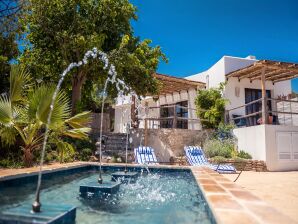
(172, 84)
(266, 70)
(274, 71)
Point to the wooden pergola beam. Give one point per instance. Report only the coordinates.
(173, 84)
(278, 71)
(274, 77)
(241, 71)
(249, 75)
(286, 78)
(267, 74)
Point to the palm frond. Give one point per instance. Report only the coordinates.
(8, 135)
(20, 83)
(80, 133)
(39, 106)
(80, 120)
(65, 149)
(6, 111)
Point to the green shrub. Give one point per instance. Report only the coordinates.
(85, 154)
(215, 147)
(11, 163)
(51, 156)
(210, 106)
(244, 155)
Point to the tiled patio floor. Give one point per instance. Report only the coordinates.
(279, 189)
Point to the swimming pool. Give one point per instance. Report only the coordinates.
(161, 196)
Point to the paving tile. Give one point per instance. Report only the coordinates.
(202, 176)
(221, 179)
(235, 217)
(206, 181)
(244, 195)
(268, 214)
(230, 185)
(213, 188)
(223, 201)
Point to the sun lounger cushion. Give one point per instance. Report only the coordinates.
(145, 155)
(195, 156)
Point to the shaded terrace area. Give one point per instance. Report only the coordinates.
(282, 110)
(172, 108)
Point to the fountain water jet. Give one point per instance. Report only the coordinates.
(55, 213)
(125, 176)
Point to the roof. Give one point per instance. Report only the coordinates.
(172, 84)
(275, 71)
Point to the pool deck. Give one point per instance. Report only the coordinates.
(230, 203)
(279, 189)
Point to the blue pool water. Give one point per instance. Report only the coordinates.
(159, 197)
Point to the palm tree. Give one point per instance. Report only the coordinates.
(24, 111)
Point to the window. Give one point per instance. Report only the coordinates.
(173, 121)
(252, 95)
(182, 111)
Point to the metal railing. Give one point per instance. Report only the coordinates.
(171, 121)
(282, 112)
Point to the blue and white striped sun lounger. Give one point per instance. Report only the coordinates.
(195, 157)
(145, 155)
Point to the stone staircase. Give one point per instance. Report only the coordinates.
(114, 142)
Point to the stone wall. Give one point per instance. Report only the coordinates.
(250, 165)
(255, 165)
(95, 123)
(168, 143)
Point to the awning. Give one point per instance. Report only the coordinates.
(172, 84)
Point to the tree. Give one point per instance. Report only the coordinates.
(9, 14)
(63, 32)
(25, 110)
(210, 106)
(8, 51)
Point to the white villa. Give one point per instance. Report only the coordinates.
(268, 133)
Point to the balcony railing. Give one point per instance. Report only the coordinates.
(282, 112)
(154, 120)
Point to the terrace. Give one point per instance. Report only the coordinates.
(260, 106)
(266, 125)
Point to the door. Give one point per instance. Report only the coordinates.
(287, 145)
(252, 95)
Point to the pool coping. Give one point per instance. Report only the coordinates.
(228, 201)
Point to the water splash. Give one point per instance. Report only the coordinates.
(112, 78)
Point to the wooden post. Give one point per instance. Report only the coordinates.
(175, 117)
(264, 98)
(146, 132)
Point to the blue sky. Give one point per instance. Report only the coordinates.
(195, 34)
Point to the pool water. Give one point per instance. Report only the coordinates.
(156, 197)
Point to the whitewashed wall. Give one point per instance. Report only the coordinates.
(122, 117)
(262, 142)
(216, 74)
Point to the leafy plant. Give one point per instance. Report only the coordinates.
(24, 113)
(210, 106)
(224, 131)
(244, 155)
(215, 147)
(63, 32)
(85, 154)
